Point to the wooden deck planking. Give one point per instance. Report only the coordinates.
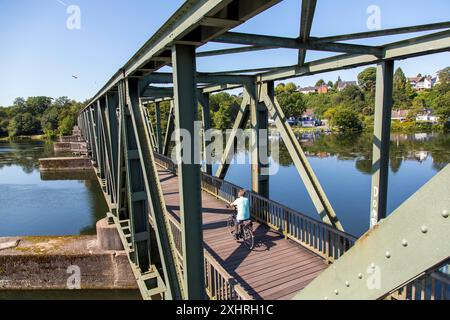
(289, 266)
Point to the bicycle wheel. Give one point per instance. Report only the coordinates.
(249, 238)
(231, 226)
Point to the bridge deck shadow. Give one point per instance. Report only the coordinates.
(276, 269)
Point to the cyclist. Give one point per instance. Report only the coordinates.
(242, 204)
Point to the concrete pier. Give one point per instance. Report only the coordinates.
(63, 164)
(61, 263)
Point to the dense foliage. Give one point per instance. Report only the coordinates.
(39, 115)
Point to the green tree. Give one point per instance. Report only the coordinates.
(23, 124)
(346, 120)
(320, 83)
(66, 126)
(367, 79)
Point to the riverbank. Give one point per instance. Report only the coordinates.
(39, 137)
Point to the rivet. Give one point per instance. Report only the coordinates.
(347, 284)
(424, 229)
(388, 255)
(360, 276)
(336, 292)
(445, 214)
(405, 243)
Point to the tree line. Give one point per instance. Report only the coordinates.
(39, 115)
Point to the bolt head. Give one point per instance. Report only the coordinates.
(445, 214)
(405, 243)
(347, 284)
(336, 292)
(360, 276)
(388, 255)
(424, 229)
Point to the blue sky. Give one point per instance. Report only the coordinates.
(39, 54)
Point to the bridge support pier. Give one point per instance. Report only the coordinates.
(186, 106)
(381, 141)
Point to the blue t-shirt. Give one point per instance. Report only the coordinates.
(243, 208)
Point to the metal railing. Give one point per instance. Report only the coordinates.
(433, 285)
(219, 284)
(316, 236)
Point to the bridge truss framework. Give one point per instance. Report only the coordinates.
(124, 143)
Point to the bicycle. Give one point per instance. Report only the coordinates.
(245, 232)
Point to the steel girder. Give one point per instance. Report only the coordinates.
(381, 141)
(186, 106)
(312, 184)
(410, 241)
(240, 123)
(206, 118)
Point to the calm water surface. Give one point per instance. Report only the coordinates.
(71, 204)
(35, 204)
(343, 166)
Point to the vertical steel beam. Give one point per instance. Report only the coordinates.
(186, 106)
(121, 183)
(312, 184)
(381, 141)
(206, 117)
(136, 192)
(93, 138)
(112, 127)
(240, 123)
(259, 119)
(169, 129)
(158, 127)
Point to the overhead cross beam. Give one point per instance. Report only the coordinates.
(290, 43)
(424, 45)
(382, 33)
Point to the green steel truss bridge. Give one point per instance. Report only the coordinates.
(172, 218)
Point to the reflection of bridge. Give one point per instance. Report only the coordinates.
(172, 226)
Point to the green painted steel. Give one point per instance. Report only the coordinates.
(240, 123)
(381, 141)
(158, 127)
(306, 21)
(291, 43)
(206, 118)
(154, 198)
(169, 129)
(312, 184)
(137, 204)
(414, 238)
(186, 107)
(259, 121)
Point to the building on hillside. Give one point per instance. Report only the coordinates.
(400, 115)
(307, 90)
(323, 89)
(427, 116)
(344, 84)
(422, 83)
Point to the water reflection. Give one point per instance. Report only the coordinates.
(343, 166)
(416, 147)
(47, 204)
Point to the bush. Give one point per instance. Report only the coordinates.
(346, 120)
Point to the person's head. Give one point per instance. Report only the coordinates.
(241, 194)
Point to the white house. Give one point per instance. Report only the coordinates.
(427, 116)
(307, 90)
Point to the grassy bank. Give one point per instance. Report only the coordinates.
(26, 138)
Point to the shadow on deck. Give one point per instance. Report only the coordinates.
(276, 269)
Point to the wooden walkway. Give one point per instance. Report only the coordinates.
(276, 269)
